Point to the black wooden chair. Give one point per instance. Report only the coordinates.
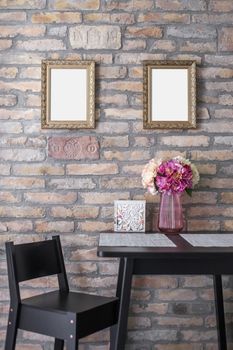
(63, 315)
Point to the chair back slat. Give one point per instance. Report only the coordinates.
(37, 259)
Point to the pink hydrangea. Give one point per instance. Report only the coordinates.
(172, 176)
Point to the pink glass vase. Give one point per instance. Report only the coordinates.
(170, 218)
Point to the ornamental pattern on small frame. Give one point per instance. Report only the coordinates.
(129, 216)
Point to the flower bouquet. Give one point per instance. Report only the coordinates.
(170, 178)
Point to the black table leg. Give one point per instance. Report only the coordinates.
(118, 332)
(220, 312)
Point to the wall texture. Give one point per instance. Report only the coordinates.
(72, 194)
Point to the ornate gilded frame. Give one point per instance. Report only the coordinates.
(88, 121)
(148, 66)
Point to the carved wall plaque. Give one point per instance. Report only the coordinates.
(83, 147)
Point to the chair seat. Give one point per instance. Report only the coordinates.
(68, 302)
(92, 312)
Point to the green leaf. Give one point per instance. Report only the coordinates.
(189, 191)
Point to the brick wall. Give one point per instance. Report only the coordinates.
(42, 194)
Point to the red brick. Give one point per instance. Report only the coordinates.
(220, 5)
(96, 226)
(191, 46)
(112, 127)
(19, 16)
(54, 226)
(157, 308)
(177, 294)
(114, 141)
(72, 183)
(8, 100)
(19, 113)
(139, 322)
(21, 183)
(203, 225)
(74, 5)
(41, 45)
(219, 60)
(17, 226)
(127, 113)
(164, 45)
(82, 267)
(8, 72)
(22, 155)
(22, 212)
(127, 155)
(103, 198)
(56, 17)
(122, 86)
(9, 197)
(179, 321)
(120, 182)
(23, 4)
(98, 58)
(185, 141)
(132, 44)
(164, 18)
(219, 155)
(38, 169)
(51, 197)
(5, 169)
(227, 197)
(30, 73)
(131, 5)
(28, 31)
(228, 225)
(117, 99)
(216, 72)
(108, 269)
(142, 295)
(83, 147)
(22, 86)
(191, 5)
(93, 282)
(121, 18)
(32, 101)
(196, 281)
(5, 44)
(155, 282)
(111, 72)
(137, 58)
(77, 211)
(81, 241)
(194, 336)
(223, 113)
(144, 32)
(226, 100)
(183, 346)
(92, 169)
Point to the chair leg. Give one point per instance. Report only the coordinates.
(59, 344)
(12, 328)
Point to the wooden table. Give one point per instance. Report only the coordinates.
(184, 259)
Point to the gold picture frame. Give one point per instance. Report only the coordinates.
(169, 94)
(67, 94)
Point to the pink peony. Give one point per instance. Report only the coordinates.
(172, 176)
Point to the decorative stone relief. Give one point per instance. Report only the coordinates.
(83, 147)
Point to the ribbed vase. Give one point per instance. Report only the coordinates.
(170, 218)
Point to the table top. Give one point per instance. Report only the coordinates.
(182, 248)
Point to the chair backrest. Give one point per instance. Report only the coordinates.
(33, 260)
